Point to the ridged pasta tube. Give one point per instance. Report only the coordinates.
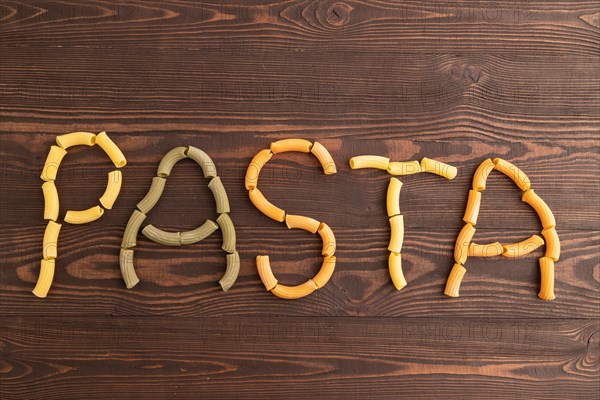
(153, 195)
(265, 206)
(324, 158)
(461, 248)
(232, 271)
(397, 236)
(84, 216)
(369, 161)
(454, 280)
(55, 156)
(294, 292)
(228, 232)
(113, 188)
(513, 172)
(472, 211)
(127, 270)
(161, 237)
(51, 204)
(540, 207)
(198, 234)
(132, 228)
(203, 160)
(522, 248)
(325, 273)
(50, 244)
(328, 238)
(76, 139)
(395, 267)
(481, 174)
(111, 149)
(302, 222)
(547, 274)
(404, 167)
(220, 195)
(45, 279)
(169, 160)
(438, 168)
(285, 145)
(256, 165)
(485, 250)
(264, 271)
(552, 243)
(393, 197)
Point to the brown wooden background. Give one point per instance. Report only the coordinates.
(459, 82)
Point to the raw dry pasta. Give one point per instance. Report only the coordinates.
(547, 275)
(265, 206)
(438, 168)
(294, 292)
(127, 270)
(397, 236)
(50, 244)
(111, 149)
(113, 187)
(264, 271)
(203, 160)
(169, 160)
(84, 216)
(132, 228)
(232, 271)
(485, 250)
(161, 237)
(302, 222)
(325, 273)
(198, 234)
(50, 201)
(481, 174)
(395, 267)
(299, 145)
(393, 197)
(76, 139)
(55, 156)
(522, 248)
(552, 243)
(454, 280)
(404, 167)
(328, 238)
(540, 207)
(154, 193)
(324, 158)
(45, 279)
(514, 173)
(256, 165)
(228, 231)
(369, 161)
(472, 210)
(461, 248)
(220, 195)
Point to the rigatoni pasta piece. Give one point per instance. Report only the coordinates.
(113, 187)
(473, 203)
(111, 149)
(369, 161)
(397, 236)
(438, 168)
(84, 216)
(513, 172)
(461, 248)
(132, 228)
(162, 237)
(256, 165)
(404, 167)
(481, 174)
(552, 243)
(540, 207)
(395, 267)
(324, 158)
(127, 270)
(393, 197)
(51, 204)
(44, 279)
(228, 232)
(198, 234)
(294, 292)
(522, 248)
(264, 271)
(203, 160)
(547, 274)
(154, 193)
(302, 222)
(55, 156)
(325, 273)
(220, 195)
(76, 139)
(485, 250)
(454, 280)
(328, 238)
(50, 243)
(282, 146)
(232, 271)
(265, 206)
(169, 160)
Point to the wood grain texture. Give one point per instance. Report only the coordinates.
(459, 82)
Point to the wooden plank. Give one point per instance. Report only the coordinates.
(297, 358)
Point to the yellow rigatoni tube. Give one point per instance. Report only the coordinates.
(540, 207)
(85, 216)
(324, 158)
(404, 167)
(294, 292)
(264, 271)
(111, 149)
(481, 174)
(113, 188)
(52, 163)
(397, 236)
(325, 273)
(256, 165)
(438, 168)
(51, 204)
(50, 243)
(76, 139)
(265, 206)
(547, 273)
(472, 211)
(522, 248)
(45, 279)
(395, 267)
(454, 280)
(485, 250)
(285, 145)
(369, 161)
(552, 243)
(461, 248)
(328, 238)
(302, 222)
(393, 197)
(513, 172)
